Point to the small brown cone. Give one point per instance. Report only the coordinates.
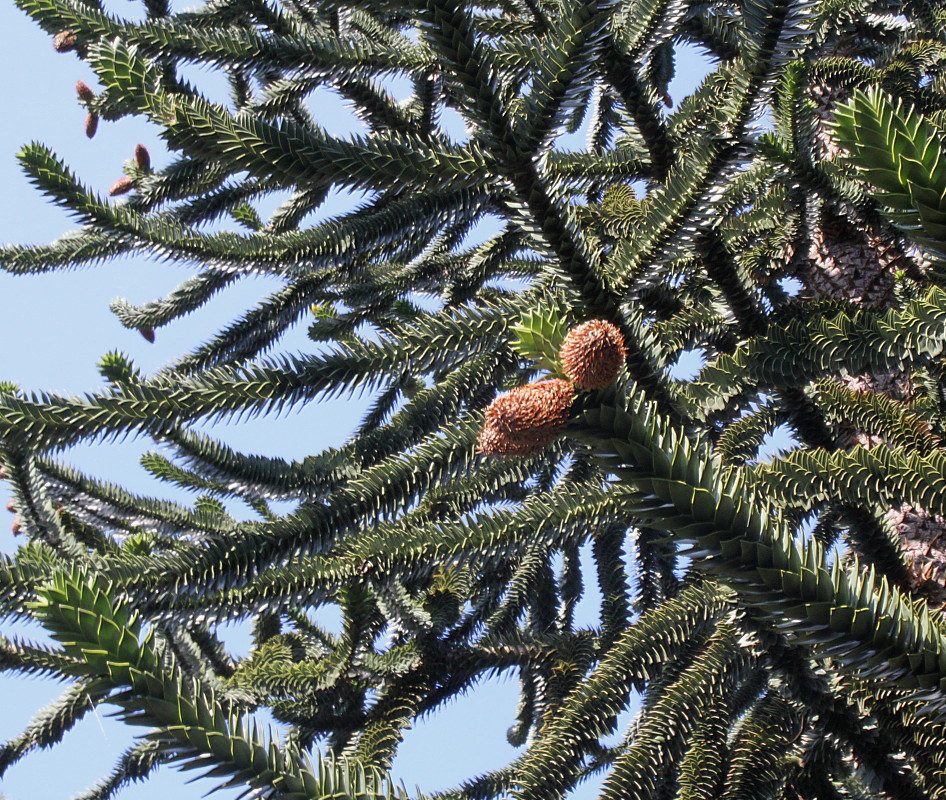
(492, 442)
(526, 419)
(593, 354)
(16, 527)
(122, 186)
(147, 332)
(86, 95)
(91, 124)
(11, 506)
(142, 157)
(64, 42)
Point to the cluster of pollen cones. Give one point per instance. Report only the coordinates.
(526, 419)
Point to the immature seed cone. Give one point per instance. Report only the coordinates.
(122, 186)
(142, 157)
(86, 95)
(592, 354)
(91, 124)
(64, 42)
(526, 419)
(147, 332)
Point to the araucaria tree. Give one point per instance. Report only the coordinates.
(515, 309)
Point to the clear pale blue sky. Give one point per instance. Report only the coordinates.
(54, 329)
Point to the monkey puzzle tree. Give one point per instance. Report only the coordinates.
(779, 618)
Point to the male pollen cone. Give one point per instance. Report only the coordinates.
(64, 42)
(91, 124)
(526, 419)
(84, 91)
(142, 157)
(593, 354)
(122, 186)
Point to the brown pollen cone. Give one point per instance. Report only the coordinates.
(64, 42)
(122, 186)
(526, 419)
(593, 354)
(91, 124)
(85, 93)
(142, 157)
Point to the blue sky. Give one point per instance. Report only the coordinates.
(54, 330)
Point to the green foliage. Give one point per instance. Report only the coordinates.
(540, 333)
(107, 644)
(902, 154)
(773, 622)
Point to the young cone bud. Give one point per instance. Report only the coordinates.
(86, 95)
(147, 332)
(16, 527)
(122, 186)
(64, 42)
(592, 354)
(526, 419)
(11, 506)
(142, 157)
(91, 124)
